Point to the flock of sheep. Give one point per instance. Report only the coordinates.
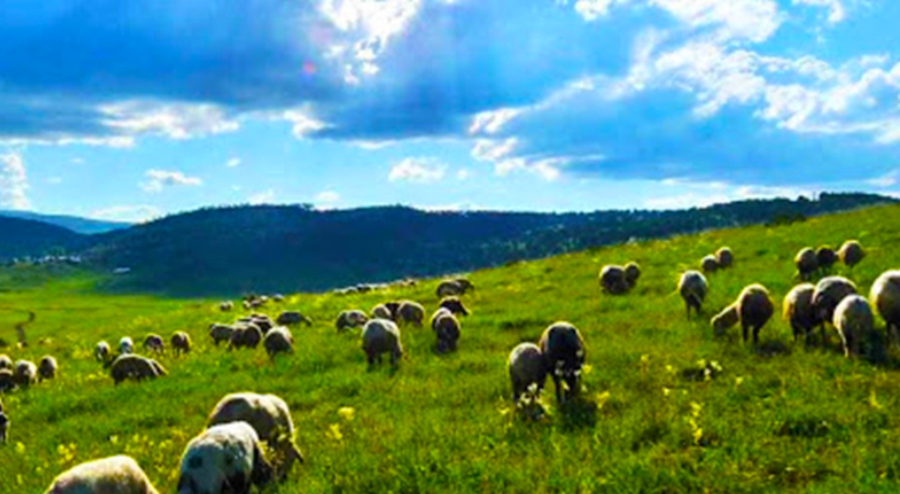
(249, 438)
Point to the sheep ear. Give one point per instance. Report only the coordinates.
(262, 470)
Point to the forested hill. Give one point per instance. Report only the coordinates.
(21, 237)
(224, 251)
(75, 223)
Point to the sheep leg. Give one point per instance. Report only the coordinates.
(744, 332)
(559, 398)
(756, 335)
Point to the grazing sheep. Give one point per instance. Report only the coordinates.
(224, 459)
(465, 284)
(724, 257)
(381, 336)
(113, 475)
(459, 286)
(526, 367)
(753, 309)
(454, 305)
(7, 380)
(350, 319)
(709, 264)
(447, 329)
(154, 343)
(693, 286)
(135, 367)
(798, 310)
(262, 321)
(4, 425)
(181, 342)
(126, 345)
(806, 263)
(828, 294)
(825, 258)
(394, 308)
(410, 312)
(102, 352)
(851, 253)
(279, 340)
(885, 296)
(25, 373)
(278, 298)
(289, 318)
(245, 335)
(47, 367)
(564, 353)
(632, 273)
(613, 280)
(5, 361)
(270, 418)
(220, 332)
(226, 306)
(854, 322)
(381, 311)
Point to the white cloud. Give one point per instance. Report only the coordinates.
(175, 120)
(493, 149)
(13, 182)
(703, 194)
(54, 180)
(233, 162)
(592, 9)
(889, 179)
(836, 10)
(421, 170)
(686, 200)
(751, 20)
(264, 197)
(463, 174)
(302, 123)
(131, 214)
(327, 197)
(157, 179)
(78, 160)
(490, 122)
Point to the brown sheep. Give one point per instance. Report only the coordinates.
(47, 367)
(724, 257)
(806, 263)
(709, 264)
(135, 367)
(798, 310)
(613, 279)
(753, 309)
(410, 312)
(851, 253)
(154, 343)
(181, 342)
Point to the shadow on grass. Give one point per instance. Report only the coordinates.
(578, 413)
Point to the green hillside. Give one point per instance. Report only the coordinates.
(780, 418)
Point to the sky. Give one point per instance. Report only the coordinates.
(133, 109)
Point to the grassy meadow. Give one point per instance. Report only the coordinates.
(778, 418)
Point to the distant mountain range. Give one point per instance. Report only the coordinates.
(225, 251)
(76, 224)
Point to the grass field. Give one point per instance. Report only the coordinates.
(779, 419)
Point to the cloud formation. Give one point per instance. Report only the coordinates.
(418, 170)
(159, 179)
(13, 182)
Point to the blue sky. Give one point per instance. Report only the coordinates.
(131, 109)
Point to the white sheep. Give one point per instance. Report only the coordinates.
(223, 459)
(854, 322)
(25, 373)
(47, 367)
(226, 306)
(753, 309)
(410, 312)
(181, 342)
(692, 286)
(806, 263)
(447, 330)
(828, 294)
(885, 296)
(278, 340)
(113, 475)
(270, 418)
(381, 311)
(126, 345)
(381, 336)
(724, 257)
(350, 319)
(526, 368)
(5, 362)
(851, 253)
(135, 367)
(102, 351)
(613, 280)
(799, 311)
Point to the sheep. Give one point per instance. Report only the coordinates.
(447, 329)
(806, 263)
(410, 312)
(226, 306)
(724, 257)
(4, 425)
(220, 332)
(632, 274)
(854, 322)
(693, 286)
(47, 367)
(278, 298)
(381, 311)
(350, 319)
(753, 309)
(262, 321)
(798, 310)
(613, 280)
(135, 367)
(5, 361)
(564, 352)
(526, 368)
(825, 258)
(270, 418)
(224, 459)
(279, 340)
(25, 373)
(828, 294)
(851, 253)
(181, 342)
(246, 335)
(885, 296)
(126, 345)
(381, 336)
(394, 308)
(709, 264)
(7, 380)
(102, 351)
(454, 305)
(113, 475)
(458, 286)
(289, 318)
(154, 343)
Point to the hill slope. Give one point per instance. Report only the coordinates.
(780, 419)
(287, 248)
(20, 237)
(77, 224)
